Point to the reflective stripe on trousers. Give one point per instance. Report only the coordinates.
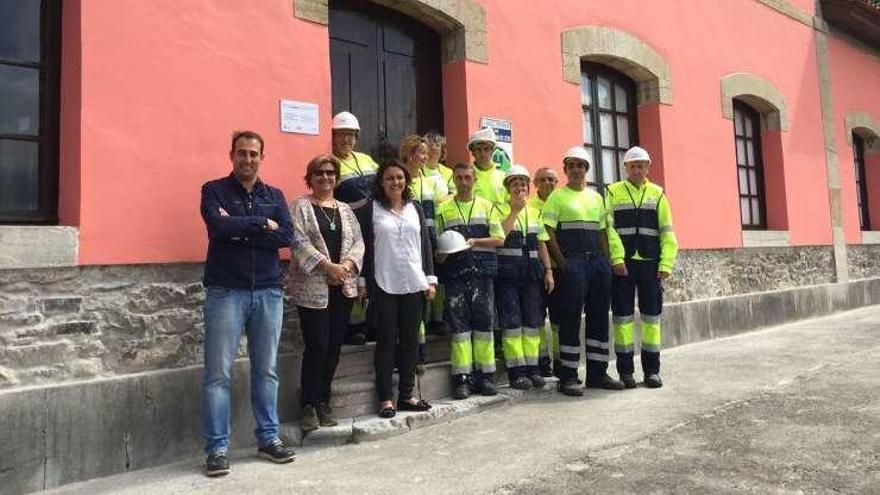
(468, 314)
(586, 284)
(519, 316)
(642, 280)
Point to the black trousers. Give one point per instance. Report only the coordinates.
(397, 332)
(323, 333)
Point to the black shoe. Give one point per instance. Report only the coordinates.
(571, 387)
(604, 382)
(387, 412)
(355, 338)
(309, 420)
(485, 386)
(544, 367)
(217, 464)
(325, 415)
(406, 405)
(653, 380)
(461, 391)
(276, 452)
(521, 383)
(537, 380)
(628, 380)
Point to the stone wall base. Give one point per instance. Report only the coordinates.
(57, 434)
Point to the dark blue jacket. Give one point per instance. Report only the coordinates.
(242, 251)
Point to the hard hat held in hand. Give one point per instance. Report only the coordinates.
(636, 154)
(346, 120)
(516, 171)
(451, 242)
(577, 152)
(485, 135)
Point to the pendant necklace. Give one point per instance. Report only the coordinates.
(329, 219)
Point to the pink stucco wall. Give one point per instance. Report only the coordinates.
(855, 75)
(164, 83)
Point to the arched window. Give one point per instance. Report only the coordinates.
(608, 101)
(861, 181)
(749, 166)
(30, 33)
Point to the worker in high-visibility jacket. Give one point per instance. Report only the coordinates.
(642, 249)
(575, 219)
(357, 173)
(426, 190)
(545, 181)
(489, 181)
(468, 271)
(357, 170)
(445, 188)
(523, 272)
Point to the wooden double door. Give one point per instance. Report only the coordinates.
(385, 69)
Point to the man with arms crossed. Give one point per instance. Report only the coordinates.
(247, 222)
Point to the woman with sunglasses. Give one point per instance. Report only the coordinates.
(327, 252)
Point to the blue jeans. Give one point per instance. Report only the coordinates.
(227, 312)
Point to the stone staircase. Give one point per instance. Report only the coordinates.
(354, 388)
(355, 404)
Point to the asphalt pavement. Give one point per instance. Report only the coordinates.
(791, 409)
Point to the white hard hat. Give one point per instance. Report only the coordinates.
(516, 171)
(346, 120)
(485, 135)
(450, 242)
(636, 154)
(578, 152)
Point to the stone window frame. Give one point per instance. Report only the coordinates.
(460, 23)
(765, 98)
(621, 51)
(760, 94)
(38, 246)
(868, 128)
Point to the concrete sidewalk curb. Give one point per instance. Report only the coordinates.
(371, 427)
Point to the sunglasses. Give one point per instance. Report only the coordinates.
(328, 173)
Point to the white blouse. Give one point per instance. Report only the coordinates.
(397, 250)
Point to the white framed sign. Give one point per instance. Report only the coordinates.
(299, 117)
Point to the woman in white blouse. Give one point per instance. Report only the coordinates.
(398, 275)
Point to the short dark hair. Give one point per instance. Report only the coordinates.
(317, 162)
(464, 165)
(246, 135)
(379, 191)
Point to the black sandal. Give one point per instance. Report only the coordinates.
(420, 406)
(387, 412)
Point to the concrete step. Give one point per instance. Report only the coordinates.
(368, 427)
(357, 360)
(356, 395)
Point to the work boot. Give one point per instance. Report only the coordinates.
(461, 389)
(545, 367)
(355, 338)
(217, 464)
(521, 383)
(571, 387)
(486, 386)
(309, 419)
(628, 380)
(537, 380)
(604, 382)
(325, 415)
(653, 380)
